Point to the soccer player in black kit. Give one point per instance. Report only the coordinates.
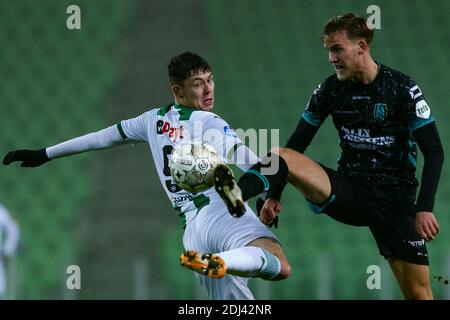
(380, 115)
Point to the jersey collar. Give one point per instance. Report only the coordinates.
(181, 107)
(185, 112)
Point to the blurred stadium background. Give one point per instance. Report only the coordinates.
(106, 211)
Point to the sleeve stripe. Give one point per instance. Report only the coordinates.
(419, 124)
(119, 127)
(311, 119)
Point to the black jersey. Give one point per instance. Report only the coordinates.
(375, 123)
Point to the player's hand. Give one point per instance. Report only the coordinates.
(270, 211)
(259, 205)
(426, 225)
(29, 158)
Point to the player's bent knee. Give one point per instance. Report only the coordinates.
(272, 246)
(285, 267)
(285, 271)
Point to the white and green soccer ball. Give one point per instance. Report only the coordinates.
(192, 166)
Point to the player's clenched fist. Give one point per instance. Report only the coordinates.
(269, 211)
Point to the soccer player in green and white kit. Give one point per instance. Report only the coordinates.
(235, 248)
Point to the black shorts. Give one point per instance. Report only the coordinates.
(388, 211)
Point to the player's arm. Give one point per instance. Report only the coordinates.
(126, 131)
(422, 125)
(102, 139)
(220, 135)
(427, 138)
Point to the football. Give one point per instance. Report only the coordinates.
(192, 166)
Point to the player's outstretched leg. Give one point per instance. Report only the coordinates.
(229, 191)
(250, 261)
(208, 264)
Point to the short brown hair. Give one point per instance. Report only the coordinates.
(186, 65)
(355, 27)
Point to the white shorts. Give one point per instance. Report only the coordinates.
(214, 230)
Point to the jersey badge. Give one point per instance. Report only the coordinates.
(380, 111)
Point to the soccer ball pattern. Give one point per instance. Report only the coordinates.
(192, 165)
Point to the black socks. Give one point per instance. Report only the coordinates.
(269, 174)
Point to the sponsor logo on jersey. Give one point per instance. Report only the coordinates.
(181, 199)
(361, 97)
(423, 110)
(363, 136)
(164, 127)
(379, 111)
